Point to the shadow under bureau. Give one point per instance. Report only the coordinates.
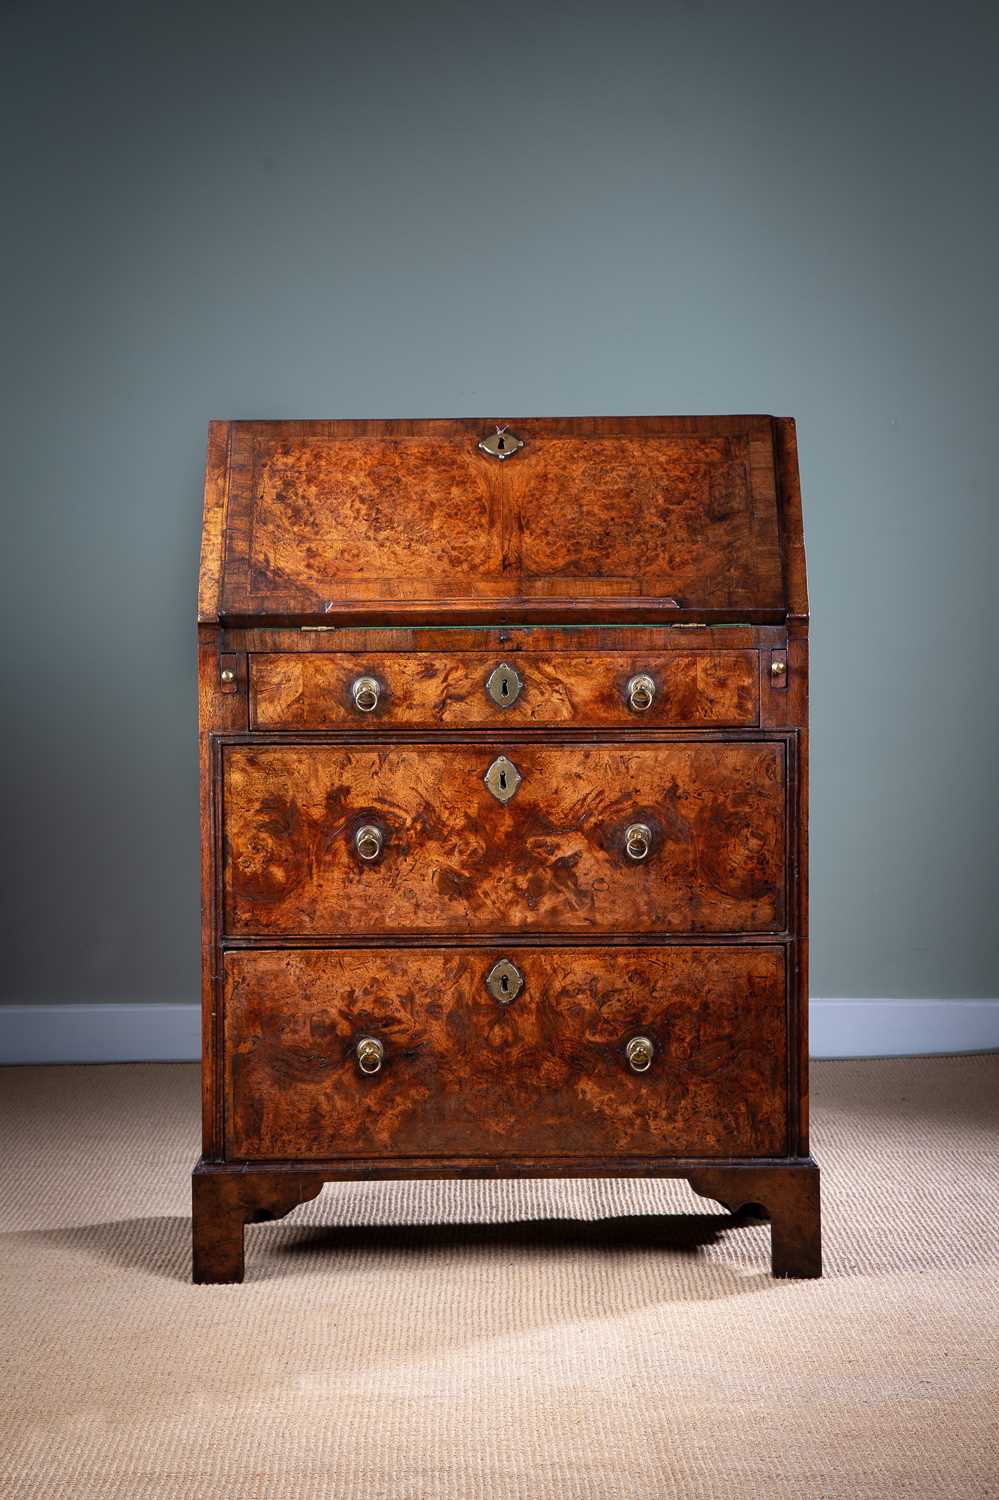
(504, 812)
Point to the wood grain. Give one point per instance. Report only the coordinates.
(213, 524)
(792, 530)
(448, 690)
(551, 859)
(218, 712)
(625, 515)
(668, 515)
(546, 1074)
(551, 639)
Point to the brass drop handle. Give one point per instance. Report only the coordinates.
(369, 841)
(637, 840)
(370, 1053)
(366, 692)
(641, 691)
(639, 1053)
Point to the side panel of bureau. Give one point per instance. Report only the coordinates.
(714, 689)
(551, 859)
(545, 1075)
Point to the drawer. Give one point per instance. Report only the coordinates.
(545, 1074)
(684, 689)
(553, 858)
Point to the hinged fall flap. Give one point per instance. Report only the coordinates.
(546, 520)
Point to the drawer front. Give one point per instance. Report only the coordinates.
(547, 1074)
(689, 689)
(552, 858)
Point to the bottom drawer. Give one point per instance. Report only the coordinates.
(459, 1072)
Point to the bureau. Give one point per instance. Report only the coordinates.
(503, 738)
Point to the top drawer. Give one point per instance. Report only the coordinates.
(421, 690)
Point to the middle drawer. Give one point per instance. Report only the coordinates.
(328, 840)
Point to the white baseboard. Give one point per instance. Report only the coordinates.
(99, 1033)
(901, 1028)
(172, 1033)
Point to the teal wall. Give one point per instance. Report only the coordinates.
(296, 210)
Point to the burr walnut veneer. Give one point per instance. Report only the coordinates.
(503, 770)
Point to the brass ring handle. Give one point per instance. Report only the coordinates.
(370, 1053)
(369, 841)
(641, 691)
(366, 692)
(637, 840)
(639, 1053)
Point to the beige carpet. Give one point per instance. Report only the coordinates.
(482, 1354)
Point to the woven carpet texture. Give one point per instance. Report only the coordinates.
(500, 1341)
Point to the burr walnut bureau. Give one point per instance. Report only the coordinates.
(503, 797)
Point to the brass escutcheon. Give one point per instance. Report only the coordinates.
(504, 981)
(501, 444)
(639, 1053)
(504, 685)
(502, 778)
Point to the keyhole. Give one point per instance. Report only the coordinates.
(505, 984)
(502, 779)
(505, 688)
(501, 442)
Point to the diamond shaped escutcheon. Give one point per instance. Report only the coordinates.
(501, 444)
(504, 981)
(502, 778)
